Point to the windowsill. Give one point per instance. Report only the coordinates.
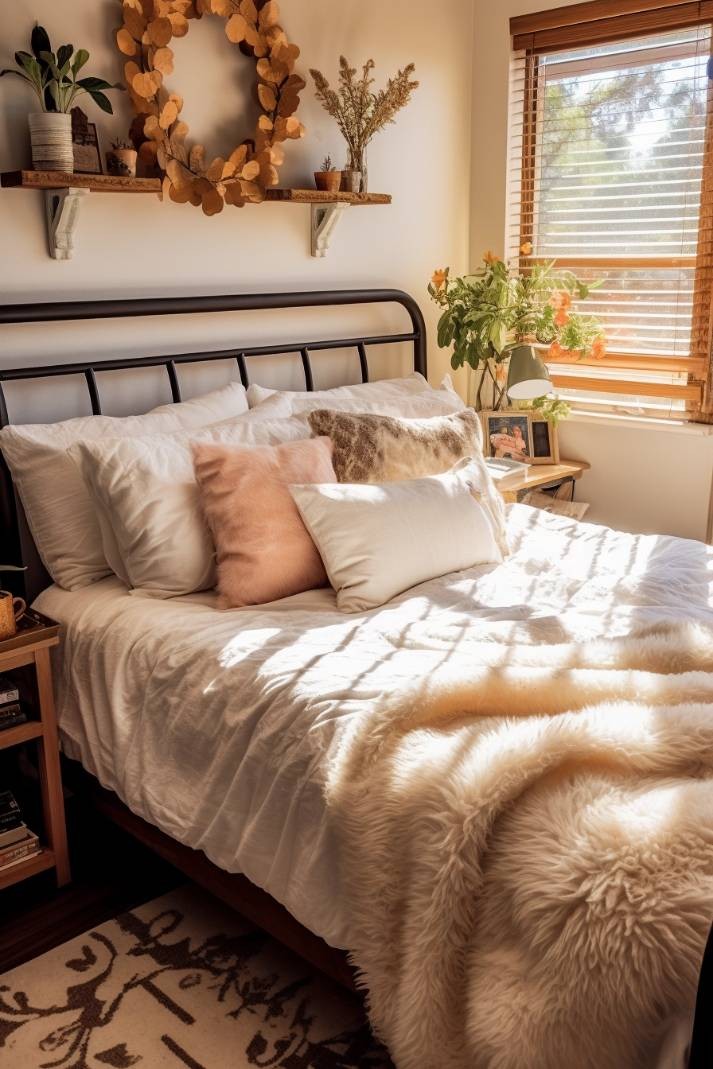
(642, 423)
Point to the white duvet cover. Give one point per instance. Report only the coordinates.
(221, 727)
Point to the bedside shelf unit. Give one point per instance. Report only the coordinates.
(542, 476)
(31, 867)
(64, 192)
(30, 647)
(22, 733)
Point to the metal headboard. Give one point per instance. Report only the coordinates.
(17, 543)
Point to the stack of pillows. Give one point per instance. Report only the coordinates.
(372, 488)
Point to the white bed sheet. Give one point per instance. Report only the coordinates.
(219, 727)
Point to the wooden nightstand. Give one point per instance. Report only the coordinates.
(542, 476)
(30, 649)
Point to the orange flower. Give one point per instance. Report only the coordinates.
(561, 301)
(526, 248)
(490, 257)
(555, 351)
(599, 347)
(440, 277)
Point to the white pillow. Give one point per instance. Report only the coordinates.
(410, 397)
(57, 503)
(382, 388)
(377, 540)
(149, 506)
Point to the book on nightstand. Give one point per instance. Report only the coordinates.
(12, 715)
(17, 842)
(11, 712)
(504, 470)
(8, 691)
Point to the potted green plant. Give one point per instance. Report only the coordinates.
(54, 79)
(328, 179)
(360, 112)
(121, 159)
(11, 607)
(488, 313)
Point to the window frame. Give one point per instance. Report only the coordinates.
(597, 22)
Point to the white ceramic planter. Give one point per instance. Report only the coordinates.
(51, 137)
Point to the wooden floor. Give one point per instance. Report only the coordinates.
(110, 873)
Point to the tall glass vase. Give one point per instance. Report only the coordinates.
(486, 386)
(357, 162)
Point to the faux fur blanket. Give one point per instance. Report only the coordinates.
(529, 842)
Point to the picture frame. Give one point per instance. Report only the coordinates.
(545, 446)
(85, 144)
(507, 434)
(521, 436)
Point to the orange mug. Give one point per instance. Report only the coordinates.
(11, 610)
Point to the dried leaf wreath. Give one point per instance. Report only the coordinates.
(160, 134)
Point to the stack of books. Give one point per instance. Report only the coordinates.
(11, 712)
(17, 842)
(504, 470)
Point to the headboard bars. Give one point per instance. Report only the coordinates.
(17, 543)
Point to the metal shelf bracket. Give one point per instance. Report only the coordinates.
(62, 214)
(323, 222)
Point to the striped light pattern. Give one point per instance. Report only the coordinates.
(607, 177)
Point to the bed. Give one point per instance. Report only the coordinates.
(364, 782)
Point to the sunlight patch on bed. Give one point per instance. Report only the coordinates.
(241, 646)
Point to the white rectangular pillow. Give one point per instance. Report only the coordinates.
(148, 502)
(409, 397)
(57, 503)
(377, 540)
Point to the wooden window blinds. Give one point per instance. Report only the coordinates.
(611, 176)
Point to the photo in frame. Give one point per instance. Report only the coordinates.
(543, 435)
(85, 144)
(507, 435)
(521, 436)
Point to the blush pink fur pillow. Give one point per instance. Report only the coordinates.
(263, 550)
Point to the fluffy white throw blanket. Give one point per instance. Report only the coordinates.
(528, 836)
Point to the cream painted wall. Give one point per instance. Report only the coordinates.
(644, 477)
(444, 211)
(134, 245)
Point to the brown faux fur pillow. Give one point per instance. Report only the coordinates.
(380, 449)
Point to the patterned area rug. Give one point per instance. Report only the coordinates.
(179, 983)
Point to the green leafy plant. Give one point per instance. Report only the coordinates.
(327, 164)
(53, 77)
(553, 409)
(498, 307)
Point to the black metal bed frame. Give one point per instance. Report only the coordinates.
(17, 543)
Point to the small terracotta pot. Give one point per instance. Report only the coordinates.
(11, 609)
(121, 162)
(328, 181)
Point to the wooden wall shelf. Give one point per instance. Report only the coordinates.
(326, 209)
(64, 192)
(95, 183)
(317, 196)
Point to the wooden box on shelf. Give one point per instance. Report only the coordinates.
(30, 648)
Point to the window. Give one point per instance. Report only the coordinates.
(611, 177)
